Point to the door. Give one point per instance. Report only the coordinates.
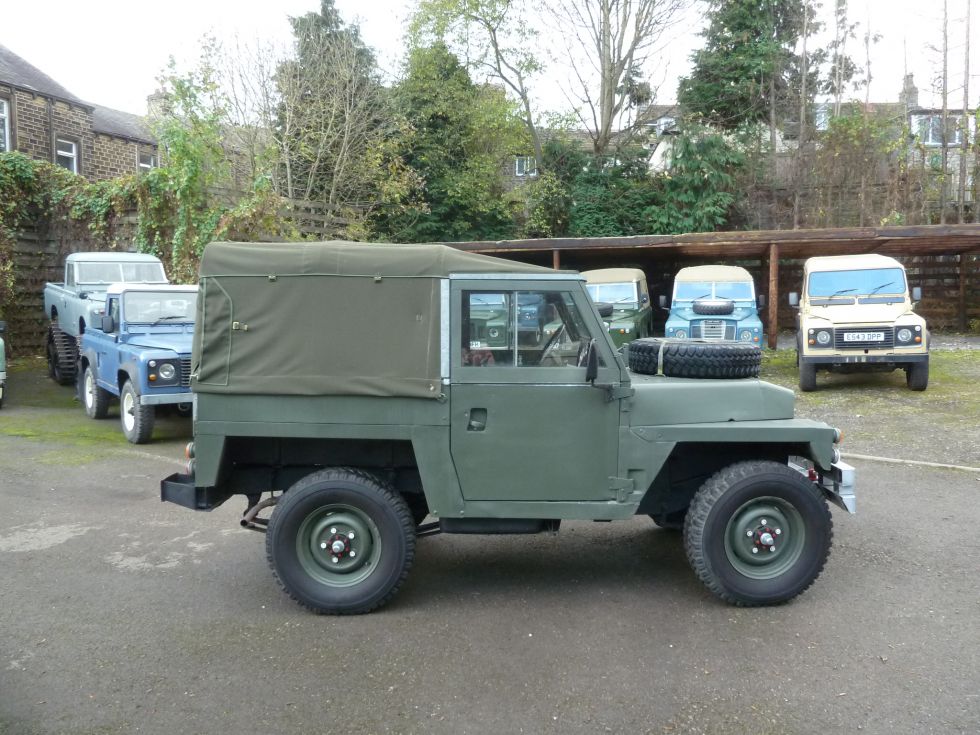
(108, 350)
(525, 423)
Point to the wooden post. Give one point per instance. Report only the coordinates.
(773, 320)
(961, 316)
(555, 260)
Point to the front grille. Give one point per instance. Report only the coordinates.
(886, 344)
(713, 329)
(185, 372)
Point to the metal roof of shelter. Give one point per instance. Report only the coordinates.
(907, 241)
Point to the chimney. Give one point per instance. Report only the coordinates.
(156, 105)
(910, 93)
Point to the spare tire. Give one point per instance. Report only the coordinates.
(715, 307)
(694, 358)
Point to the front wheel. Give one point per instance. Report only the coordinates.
(136, 418)
(758, 533)
(341, 542)
(808, 376)
(917, 375)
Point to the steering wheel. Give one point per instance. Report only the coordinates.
(547, 354)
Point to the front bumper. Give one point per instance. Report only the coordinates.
(892, 358)
(837, 485)
(160, 399)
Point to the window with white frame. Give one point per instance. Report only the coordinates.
(663, 124)
(66, 154)
(821, 116)
(147, 161)
(525, 166)
(929, 129)
(4, 125)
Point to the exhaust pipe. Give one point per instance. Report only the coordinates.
(251, 520)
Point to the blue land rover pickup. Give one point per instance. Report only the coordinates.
(140, 353)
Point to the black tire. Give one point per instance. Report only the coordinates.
(94, 399)
(917, 375)
(693, 359)
(136, 419)
(184, 410)
(808, 376)
(758, 499)
(713, 308)
(62, 350)
(323, 505)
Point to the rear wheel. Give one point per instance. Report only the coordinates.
(96, 399)
(136, 418)
(758, 533)
(341, 542)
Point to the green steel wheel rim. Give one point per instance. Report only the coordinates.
(764, 538)
(338, 545)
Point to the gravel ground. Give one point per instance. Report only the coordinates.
(121, 614)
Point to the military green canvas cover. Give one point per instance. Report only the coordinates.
(326, 318)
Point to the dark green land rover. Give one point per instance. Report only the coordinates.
(353, 442)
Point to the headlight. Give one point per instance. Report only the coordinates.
(167, 371)
(494, 332)
(745, 335)
(820, 337)
(681, 334)
(904, 334)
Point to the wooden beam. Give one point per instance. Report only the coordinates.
(555, 259)
(961, 311)
(773, 325)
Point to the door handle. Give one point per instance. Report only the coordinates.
(478, 419)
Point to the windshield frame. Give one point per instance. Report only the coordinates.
(709, 290)
(852, 283)
(130, 303)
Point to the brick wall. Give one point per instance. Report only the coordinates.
(115, 157)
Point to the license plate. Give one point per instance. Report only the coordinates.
(864, 336)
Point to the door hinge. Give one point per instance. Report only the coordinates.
(622, 488)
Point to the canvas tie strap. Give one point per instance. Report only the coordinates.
(660, 357)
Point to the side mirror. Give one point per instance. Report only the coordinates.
(762, 300)
(794, 299)
(917, 293)
(108, 324)
(662, 300)
(605, 310)
(591, 362)
(83, 294)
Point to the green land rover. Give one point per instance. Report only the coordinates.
(351, 443)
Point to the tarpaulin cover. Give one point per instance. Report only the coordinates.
(326, 318)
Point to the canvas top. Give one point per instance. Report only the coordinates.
(713, 273)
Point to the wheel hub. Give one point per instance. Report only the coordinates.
(764, 538)
(340, 542)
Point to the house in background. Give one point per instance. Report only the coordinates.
(46, 122)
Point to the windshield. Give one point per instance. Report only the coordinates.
(119, 273)
(694, 290)
(163, 307)
(621, 294)
(857, 283)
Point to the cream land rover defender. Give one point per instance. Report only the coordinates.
(856, 315)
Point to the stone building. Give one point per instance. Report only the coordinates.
(43, 120)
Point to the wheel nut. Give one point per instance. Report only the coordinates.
(335, 560)
(323, 544)
(778, 531)
(755, 549)
(762, 521)
(350, 535)
(353, 554)
(772, 548)
(333, 530)
(749, 534)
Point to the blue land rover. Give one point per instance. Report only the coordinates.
(714, 302)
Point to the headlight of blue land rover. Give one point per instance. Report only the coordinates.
(745, 335)
(161, 372)
(681, 334)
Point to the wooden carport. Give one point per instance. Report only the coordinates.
(959, 241)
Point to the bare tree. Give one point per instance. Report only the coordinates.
(943, 178)
(610, 43)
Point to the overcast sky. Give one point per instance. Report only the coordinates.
(110, 51)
